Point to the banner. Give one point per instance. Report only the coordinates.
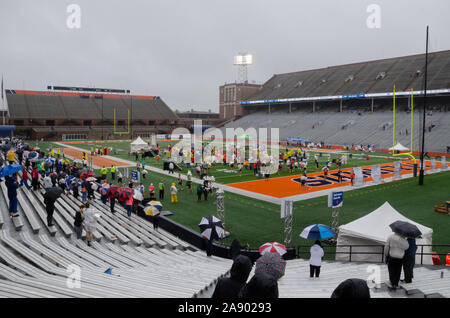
(135, 176)
(397, 168)
(443, 163)
(433, 164)
(335, 199)
(359, 178)
(376, 173)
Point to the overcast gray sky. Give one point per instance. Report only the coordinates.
(182, 50)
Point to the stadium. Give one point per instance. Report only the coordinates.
(110, 194)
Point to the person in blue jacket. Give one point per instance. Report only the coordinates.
(12, 184)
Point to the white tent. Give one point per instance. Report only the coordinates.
(399, 147)
(373, 229)
(138, 145)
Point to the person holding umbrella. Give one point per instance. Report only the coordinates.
(315, 261)
(211, 229)
(395, 248)
(35, 178)
(12, 184)
(50, 197)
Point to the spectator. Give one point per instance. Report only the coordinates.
(78, 223)
(229, 287)
(151, 191)
(119, 177)
(90, 222)
(173, 194)
(235, 248)
(315, 261)
(47, 181)
(409, 260)
(25, 178)
(394, 250)
(12, 184)
(161, 190)
(262, 285)
(171, 167)
(156, 222)
(50, 208)
(144, 173)
(352, 288)
(35, 179)
(199, 192)
(129, 205)
(113, 172)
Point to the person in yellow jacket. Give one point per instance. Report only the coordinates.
(173, 193)
(103, 172)
(11, 157)
(113, 172)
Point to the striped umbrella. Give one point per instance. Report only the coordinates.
(317, 232)
(273, 247)
(211, 227)
(272, 264)
(153, 208)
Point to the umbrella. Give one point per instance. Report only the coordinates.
(137, 195)
(273, 247)
(50, 159)
(405, 229)
(211, 227)
(91, 179)
(10, 170)
(114, 190)
(33, 156)
(153, 208)
(272, 264)
(53, 193)
(124, 194)
(317, 232)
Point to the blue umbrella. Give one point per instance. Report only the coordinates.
(10, 170)
(317, 232)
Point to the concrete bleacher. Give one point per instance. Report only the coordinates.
(145, 263)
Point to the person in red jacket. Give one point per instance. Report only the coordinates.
(25, 178)
(35, 179)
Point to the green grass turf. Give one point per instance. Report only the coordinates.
(257, 222)
(225, 175)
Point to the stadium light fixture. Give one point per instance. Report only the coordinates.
(242, 60)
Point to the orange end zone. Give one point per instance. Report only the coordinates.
(282, 187)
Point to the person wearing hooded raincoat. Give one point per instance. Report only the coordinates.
(262, 285)
(229, 287)
(352, 288)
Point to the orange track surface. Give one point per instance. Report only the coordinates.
(286, 186)
(98, 161)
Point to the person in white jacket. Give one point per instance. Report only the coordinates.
(315, 261)
(394, 250)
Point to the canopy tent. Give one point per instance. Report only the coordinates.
(399, 147)
(243, 136)
(373, 229)
(138, 145)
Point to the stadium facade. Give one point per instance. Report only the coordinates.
(78, 115)
(352, 104)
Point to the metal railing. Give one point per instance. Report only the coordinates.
(331, 250)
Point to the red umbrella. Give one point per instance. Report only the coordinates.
(114, 190)
(273, 247)
(125, 194)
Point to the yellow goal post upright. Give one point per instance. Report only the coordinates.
(410, 153)
(120, 133)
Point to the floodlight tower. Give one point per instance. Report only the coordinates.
(242, 61)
